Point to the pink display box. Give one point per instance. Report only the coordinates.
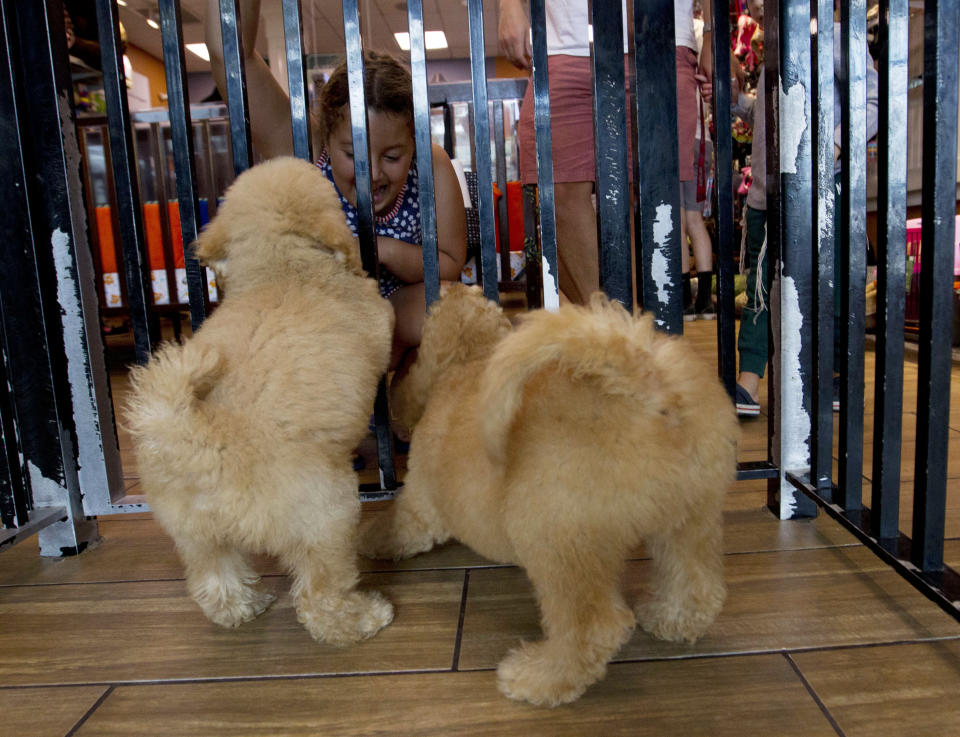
(913, 244)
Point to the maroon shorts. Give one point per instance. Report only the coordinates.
(687, 113)
(571, 123)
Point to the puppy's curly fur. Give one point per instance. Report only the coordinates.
(586, 431)
(244, 433)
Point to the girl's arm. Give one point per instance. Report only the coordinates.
(269, 105)
(406, 260)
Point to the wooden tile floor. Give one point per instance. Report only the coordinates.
(818, 637)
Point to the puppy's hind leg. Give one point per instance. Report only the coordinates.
(584, 617)
(688, 589)
(324, 567)
(222, 583)
(411, 525)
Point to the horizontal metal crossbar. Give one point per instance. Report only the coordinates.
(750, 470)
(941, 587)
(38, 519)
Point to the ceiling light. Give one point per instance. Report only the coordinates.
(122, 3)
(152, 23)
(431, 40)
(200, 50)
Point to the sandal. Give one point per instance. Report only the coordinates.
(747, 406)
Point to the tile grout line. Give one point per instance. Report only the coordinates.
(386, 572)
(89, 713)
(786, 653)
(216, 680)
(813, 694)
(455, 665)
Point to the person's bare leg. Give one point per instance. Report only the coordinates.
(751, 382)
(684, 247)
(577, 257)
(700, 239)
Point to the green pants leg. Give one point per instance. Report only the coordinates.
(753, 341)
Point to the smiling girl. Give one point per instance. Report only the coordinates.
(393, 166)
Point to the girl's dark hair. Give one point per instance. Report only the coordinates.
(387, 88)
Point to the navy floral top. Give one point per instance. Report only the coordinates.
(401, 222)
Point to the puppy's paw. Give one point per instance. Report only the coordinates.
(666, 622)
(344, 620)
(532, 672)
(235, 611)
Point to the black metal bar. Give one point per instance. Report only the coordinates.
(658, 252)
(23, 339)
(610, 152)
(940, 20)
(771, 113)
(96, 248)
(297, 79)
(233, 68)
(146, 327)
(181, 132)
(14, 489)
(942, 586)
(211, 189)
(541, 124)
(723, 186)
(421, 120)
(635, 189)
(532, 255)
(822, 213)
(385, 451)
(853, 248)
(157, 151)
(114, 220)
(794, 357)
(62, 270)
(366, 229)
(500, 155)
(473, 149)
(891, 266)
(481, 139)
(448, 130)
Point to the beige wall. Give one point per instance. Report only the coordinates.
(152, 68)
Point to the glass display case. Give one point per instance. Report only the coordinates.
(157, 184)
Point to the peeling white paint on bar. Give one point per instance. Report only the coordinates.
(74, 348)
(793, 122)
(551, 295)
(46, 492)
(659, 268)
(822, 219)
(795, 422)
(71, 318)
(98, 461)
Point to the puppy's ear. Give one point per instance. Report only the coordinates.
(211, 245)
(338, 238)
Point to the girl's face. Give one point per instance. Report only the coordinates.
(391, 151)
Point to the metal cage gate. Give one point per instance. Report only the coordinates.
(60, 464)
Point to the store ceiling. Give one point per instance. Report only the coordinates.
(323, 26)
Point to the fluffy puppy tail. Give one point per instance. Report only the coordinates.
(162, 411)
(601, 341)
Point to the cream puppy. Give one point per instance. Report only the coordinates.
(560, 446)
(244, 433)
